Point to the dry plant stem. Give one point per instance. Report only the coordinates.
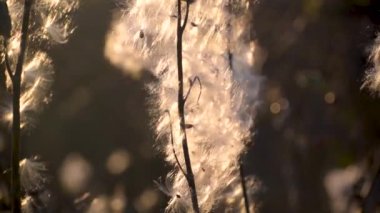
(16, 83)
(244, 187)
(181, 107)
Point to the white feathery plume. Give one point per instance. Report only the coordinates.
(372, 79)
(32, 175)
(32, 204)
(27, 204)
(50, 24)
(220, 106)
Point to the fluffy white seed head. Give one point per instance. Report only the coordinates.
(219, 109)
(50, 23)
(372, 79)
(32, 175)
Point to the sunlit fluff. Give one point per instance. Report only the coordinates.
(33, 203)
(50, 24)
(219, 112)
(372, 79)
(36, 82)
(32, 175)
(27, 204)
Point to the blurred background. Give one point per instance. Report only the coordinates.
(316, 135)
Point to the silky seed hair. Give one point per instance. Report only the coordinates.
(51, 24)
(218, 63)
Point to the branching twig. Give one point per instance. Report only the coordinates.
(16, 131)
(192, 81)
(181, 106)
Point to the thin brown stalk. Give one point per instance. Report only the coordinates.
(16, 131)
(181, 106)
(244, 187)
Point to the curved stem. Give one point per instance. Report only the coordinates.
(181, 107)
(16, 131)
(172, 142)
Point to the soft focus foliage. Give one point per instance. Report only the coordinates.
(75, 174)
(233, 201)
(116, 203)
(219, 51)
(50, 24)
(338, 184)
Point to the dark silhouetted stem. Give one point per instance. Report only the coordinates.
(16, 83)
(181, 107)
(244, 187)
